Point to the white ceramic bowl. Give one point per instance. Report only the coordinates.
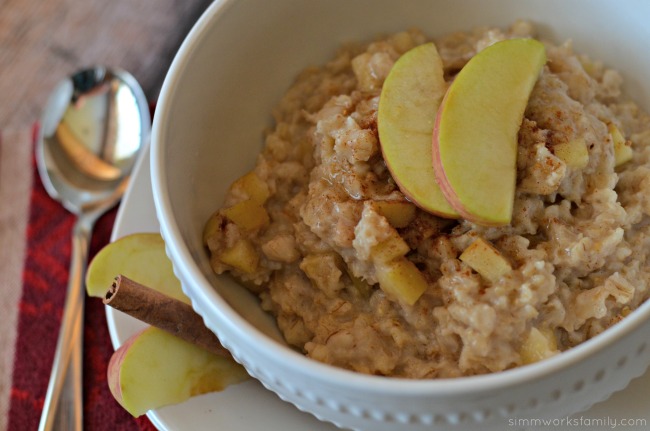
(229, 73)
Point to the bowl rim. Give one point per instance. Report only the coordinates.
(205, 298)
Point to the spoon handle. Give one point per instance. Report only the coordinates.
(70, 408)
(67, 366)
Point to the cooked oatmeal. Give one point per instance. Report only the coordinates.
(302, 228)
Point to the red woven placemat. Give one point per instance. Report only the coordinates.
(45, 278)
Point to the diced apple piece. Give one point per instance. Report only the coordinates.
(140, 257)
(323, 270)
(400, 278)
(391, 248)
(539, 344)
(241, 256)
(211, 227)
(398, 213)
(573, 153)
(407, 110)
(476, 130)
(360, 286)
(247, 215)
(622, 147)
(253, 186)
(154, 369)
(483, 258)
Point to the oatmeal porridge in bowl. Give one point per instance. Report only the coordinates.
(431, 219)
(317, 223)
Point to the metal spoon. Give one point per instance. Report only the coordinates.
(93, 128)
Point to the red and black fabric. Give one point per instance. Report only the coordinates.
(45, 278)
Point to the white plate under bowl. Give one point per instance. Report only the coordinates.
(250, 407)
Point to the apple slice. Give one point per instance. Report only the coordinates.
(140, 257)
(407, 110)
(475, 134)
(154, 369)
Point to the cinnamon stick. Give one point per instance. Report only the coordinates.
(162, 311)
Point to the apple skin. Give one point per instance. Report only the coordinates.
(407, 110)
(474, 148)
(140, 257)
(153, 369)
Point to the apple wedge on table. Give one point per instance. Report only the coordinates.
(139, 256)
(475, 135)
(154, 368)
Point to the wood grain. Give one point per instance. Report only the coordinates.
(42, 41)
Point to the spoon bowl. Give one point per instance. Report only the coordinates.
(94, 126)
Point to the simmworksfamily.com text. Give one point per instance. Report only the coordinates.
(580, 421)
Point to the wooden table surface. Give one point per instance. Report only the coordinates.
(40, 43)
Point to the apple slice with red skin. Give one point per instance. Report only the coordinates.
(140, 257)
(153, 369)
(475, 134)
(407, 110)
